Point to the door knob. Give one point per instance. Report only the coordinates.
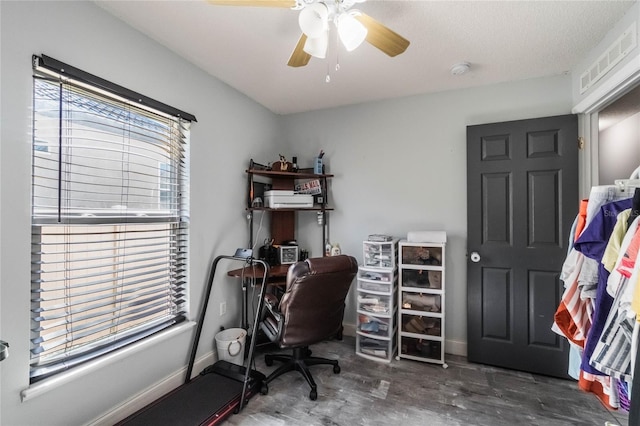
(475, 257)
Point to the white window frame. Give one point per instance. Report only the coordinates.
(146, 241)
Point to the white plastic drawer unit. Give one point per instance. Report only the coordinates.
(379, 254)
(377, 275)
(374, 326)
(421, 255)
(378, 280)
(376, 304)
(420, 324)
(377, 301)
(422, 279)
(374, 348)
(372, 286)
(424, 302)
(415, 348)
(421, 300)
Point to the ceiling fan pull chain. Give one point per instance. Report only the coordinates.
(337, 52)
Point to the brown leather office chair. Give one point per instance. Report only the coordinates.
(311, 310)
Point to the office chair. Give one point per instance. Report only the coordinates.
(311, 310)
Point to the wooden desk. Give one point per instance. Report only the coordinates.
(277, 274)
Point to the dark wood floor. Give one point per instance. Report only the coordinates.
(409, 393)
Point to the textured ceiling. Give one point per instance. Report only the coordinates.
(248, 47)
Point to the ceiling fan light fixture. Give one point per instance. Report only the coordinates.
(317, 47)
(352, 33)
(313, 20)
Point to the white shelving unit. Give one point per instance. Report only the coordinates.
(421, 300)
(381, 255)
(377, 291)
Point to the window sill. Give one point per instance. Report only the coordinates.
(49, 384)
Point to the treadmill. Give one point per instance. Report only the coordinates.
(221, 388)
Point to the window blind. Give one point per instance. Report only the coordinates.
(109, 222)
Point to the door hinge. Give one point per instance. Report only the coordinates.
(581, 143)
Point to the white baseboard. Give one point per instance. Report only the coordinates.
(455, 347)
(349, 330)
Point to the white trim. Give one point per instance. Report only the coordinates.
(455, 347)
(616, 85)
(594, 137)
(612, 88)
(349, 330)
(616, 49)
(584, 158)
(82, 370)
(588, 156)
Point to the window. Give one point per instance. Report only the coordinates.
(109, 218)
(164, 185)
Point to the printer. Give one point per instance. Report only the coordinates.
(283, 199)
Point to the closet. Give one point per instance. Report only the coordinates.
(599, 307)
(619, 138)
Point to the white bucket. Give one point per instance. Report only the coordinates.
(230, 345)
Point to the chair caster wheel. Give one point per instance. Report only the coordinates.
(336, 369)
(268, 360)
(313, 395)
(264, 389)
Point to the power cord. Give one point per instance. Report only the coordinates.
(255, 243)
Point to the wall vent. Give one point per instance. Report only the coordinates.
(609, 59)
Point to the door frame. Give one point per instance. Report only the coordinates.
(601, 96)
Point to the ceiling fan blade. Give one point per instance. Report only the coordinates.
(382, 37)
(299, 58)
(256, 3)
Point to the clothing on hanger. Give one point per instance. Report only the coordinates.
(635, 208)
(592, 243)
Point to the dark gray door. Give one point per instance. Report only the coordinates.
(522, 194)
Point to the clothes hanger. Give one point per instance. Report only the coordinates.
(628, 186)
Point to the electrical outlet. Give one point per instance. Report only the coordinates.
(223, 308)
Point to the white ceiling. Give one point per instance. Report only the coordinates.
(248, 47)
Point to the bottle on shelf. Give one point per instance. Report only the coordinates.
(335, 250)
(327, 248)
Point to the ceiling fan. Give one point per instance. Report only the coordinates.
(315, 18)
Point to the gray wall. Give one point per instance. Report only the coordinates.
(400, 165)
(231, 129)
(619, 150)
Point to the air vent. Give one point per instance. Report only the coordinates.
(609, 59)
